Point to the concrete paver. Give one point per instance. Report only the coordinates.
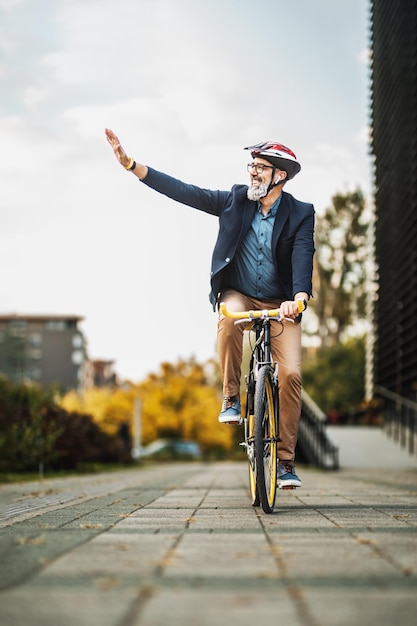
(180, 544)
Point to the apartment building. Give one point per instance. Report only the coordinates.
(46, 349)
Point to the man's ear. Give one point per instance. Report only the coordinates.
(280, 177)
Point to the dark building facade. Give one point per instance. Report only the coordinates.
(393, 42)
(46, 349)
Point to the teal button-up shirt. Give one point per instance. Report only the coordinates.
(253, 271)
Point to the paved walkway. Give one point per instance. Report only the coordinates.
(180, 545)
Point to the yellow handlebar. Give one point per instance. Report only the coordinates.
(263, 314)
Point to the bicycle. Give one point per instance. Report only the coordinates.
(261, 419)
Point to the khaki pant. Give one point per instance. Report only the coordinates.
(286, 350)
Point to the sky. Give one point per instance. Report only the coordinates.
(185, 84)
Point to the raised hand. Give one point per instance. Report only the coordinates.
(117, 147)
(139, 170)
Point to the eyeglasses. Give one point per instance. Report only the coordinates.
(259, 167)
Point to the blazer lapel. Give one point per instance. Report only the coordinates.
(280, 219)
(248, 214)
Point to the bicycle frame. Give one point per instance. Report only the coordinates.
(261, 355)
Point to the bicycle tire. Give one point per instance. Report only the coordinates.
(266, 440)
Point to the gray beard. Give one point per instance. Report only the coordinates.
(256, 193)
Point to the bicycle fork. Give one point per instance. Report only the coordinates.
(248, 444)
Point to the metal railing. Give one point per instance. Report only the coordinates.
(400, 418)
(313, 438)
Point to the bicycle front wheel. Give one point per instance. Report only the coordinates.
(265, 434)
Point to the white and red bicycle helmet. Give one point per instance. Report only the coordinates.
(278, 155)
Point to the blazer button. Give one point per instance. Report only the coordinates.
(227, 260)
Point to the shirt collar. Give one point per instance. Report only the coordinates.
(274, 208)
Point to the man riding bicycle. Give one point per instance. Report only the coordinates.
(263, 259)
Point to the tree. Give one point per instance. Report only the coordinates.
(339, 274)
(27, 434)
(110, 408)
(183, 400)
(335, 378)
(36, 432)
(180, 401)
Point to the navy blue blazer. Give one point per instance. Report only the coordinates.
(292, 238)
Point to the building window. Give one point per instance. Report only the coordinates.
(55, 325)
(77, 357)
(17, 328)
(35, 354)
(34, 340)
(35, 373)
(77, 341)
(17, 324)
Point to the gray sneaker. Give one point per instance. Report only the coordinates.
(230, 413)
(287, 477)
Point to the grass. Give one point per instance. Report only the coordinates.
(84, 469)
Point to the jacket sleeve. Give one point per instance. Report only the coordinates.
(202, 199)
(302, 255)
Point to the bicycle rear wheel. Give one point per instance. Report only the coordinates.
(266, 446)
